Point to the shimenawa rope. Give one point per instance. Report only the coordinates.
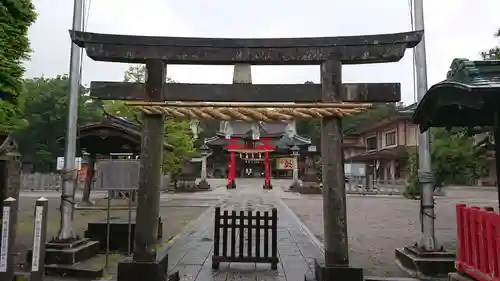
(248, 112)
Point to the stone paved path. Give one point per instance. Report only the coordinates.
(191, 254)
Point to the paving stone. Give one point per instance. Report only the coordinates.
(289, 250)
(187, 272)
(208, 274)
(197, 255)
(308, 249)
(295, 267)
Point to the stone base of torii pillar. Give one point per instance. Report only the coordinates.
(340, 273)
(203, 184)
(267, 186)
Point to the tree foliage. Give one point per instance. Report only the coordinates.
(312, 127)
(15, 19)
(493, 53)
(45, 104)
(177, 133)
(455, 160)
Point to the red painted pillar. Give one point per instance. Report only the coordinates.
(229, 172)
(231, 175)
(233, 166)
(267, 171)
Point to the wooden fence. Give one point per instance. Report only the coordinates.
(235, 224)
(39, 181)
(52, 181)
(359, 185)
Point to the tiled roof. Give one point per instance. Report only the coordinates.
(275, 130)
(469, 96)
(244, 129)
(403, 113)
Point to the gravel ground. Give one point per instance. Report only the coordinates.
(378, 225)
(175, 219)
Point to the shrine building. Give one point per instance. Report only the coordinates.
(255, 149)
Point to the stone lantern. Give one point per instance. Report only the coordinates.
(205, 152)
(295, 153)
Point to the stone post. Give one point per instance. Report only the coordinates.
(39, 237)
(204, 168)
(295, 174)
(8, 237)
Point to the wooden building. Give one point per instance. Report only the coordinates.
(383, 145)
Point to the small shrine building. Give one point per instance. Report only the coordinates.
(254, 149)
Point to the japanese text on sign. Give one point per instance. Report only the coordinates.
(5, 238)
(36, 238)
(285, 163)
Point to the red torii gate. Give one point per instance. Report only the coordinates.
(234, 147)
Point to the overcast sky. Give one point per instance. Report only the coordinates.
(454, 28)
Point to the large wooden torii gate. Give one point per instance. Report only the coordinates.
(329, 52)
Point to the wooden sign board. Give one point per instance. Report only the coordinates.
(285, 163)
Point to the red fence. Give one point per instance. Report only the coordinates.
(478, 232)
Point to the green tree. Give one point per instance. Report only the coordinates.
(15, 19)
(455, 160)
(493, 53)
(312, 127)
(46, 110)
(177, 133)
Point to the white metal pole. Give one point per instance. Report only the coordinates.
(69, 171)
(427, 241)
